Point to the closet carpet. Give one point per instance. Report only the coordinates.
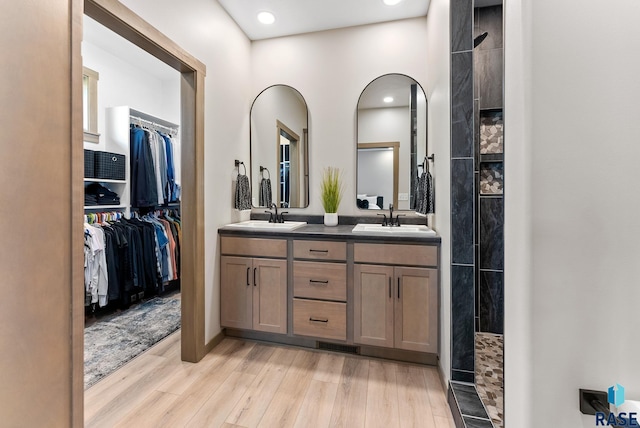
(118, 338)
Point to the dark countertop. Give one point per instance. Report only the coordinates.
(320, 231)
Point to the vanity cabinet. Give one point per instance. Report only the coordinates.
(396, 306)
(253, 287)
(320, 289)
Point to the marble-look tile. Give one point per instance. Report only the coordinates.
(489, 65)
(491, 178)
(462, 105)
(468, 400)
(461, 25)
(490, 20)
(462, 207)
(462, 318)
(491, 233)
(462, 376)
(490, 375)
(455, 410)
(477, 423)
(491, 302)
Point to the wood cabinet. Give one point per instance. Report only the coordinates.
(253, 291)
(320, 289)
(395, 306)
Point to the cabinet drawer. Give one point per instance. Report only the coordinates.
(319, 280)
(396, 254)
(320, 250)
(257, 247)
(320, 319)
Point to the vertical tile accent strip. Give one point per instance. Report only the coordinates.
(491, 302)
(462, 105)
(462, 224)
(461, 25)
(491, 233)
(462, 318)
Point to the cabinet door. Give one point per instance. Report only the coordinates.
(373, 305)
(235, 292)
(270, 295)
(416, 314)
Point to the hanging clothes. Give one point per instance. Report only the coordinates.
(144, 187)
(124, 257)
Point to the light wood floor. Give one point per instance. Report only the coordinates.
(246, 384)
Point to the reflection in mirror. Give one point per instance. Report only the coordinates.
(280, 148)
(392, 142)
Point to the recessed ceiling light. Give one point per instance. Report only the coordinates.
(388, 99)
(266, 18)
(391, 2)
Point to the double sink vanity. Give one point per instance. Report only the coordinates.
(366, 289)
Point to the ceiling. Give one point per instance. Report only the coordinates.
(306, 16)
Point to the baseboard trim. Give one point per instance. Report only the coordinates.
(214, 342)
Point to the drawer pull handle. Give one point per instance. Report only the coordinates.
(325, 320)
(398, 287)
(317, 281)
(390, 287)
(311, 250)
(248, 269)
(255, 283)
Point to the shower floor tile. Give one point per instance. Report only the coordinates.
(490, 375)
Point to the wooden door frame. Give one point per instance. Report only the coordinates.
(294, 168)
(121, 20)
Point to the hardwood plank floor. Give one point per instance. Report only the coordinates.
(244, 384)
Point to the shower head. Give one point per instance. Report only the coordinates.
(479, 39)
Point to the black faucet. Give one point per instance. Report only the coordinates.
(389, 221)
(276, 218)
(272, 218)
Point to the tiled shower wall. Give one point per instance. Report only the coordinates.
(463, 248)
(476, 220)
(489, 171)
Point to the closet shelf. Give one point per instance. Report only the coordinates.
(102, 207)
(103, 180)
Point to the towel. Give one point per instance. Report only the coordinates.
(265, 192)
(243, 193)
(425, 198)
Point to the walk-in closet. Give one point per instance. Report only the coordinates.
(132, 207)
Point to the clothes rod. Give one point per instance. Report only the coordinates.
(135, 119)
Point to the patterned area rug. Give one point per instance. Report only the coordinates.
(117, 339)
(490, 375)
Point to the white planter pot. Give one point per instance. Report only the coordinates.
(330, 219)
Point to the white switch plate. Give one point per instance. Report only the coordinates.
(403, 196)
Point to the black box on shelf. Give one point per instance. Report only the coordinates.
(89, 164)
(109, 166)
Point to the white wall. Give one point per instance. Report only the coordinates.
(578, 137)
(203, 29)
(330, 69)
(437, 86)
(381, 125)
(121, 83)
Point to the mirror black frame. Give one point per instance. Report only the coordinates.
(304, 138)
(414, 161)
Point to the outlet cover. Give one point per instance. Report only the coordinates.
(403, 196)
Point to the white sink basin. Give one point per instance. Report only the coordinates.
(405, 229)
(265, 225)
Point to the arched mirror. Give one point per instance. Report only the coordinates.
(280, 148)
(392, 142)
